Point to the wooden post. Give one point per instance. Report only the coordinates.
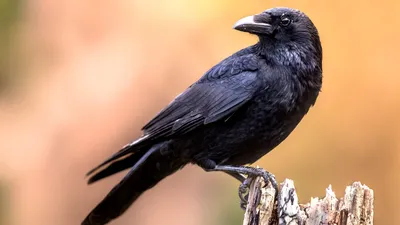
(356, 208)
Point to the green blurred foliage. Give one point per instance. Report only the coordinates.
(231, 213)
(8, 17)
(4, 204)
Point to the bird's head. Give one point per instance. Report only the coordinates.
(282, 26)
(287, 37)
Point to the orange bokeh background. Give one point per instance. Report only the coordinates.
(90, 73)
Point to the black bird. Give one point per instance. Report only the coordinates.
(234, 114)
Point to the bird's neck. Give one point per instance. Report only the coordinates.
(300, 58)
(287, 54)
(305, 65)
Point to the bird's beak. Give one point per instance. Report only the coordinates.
(248, 24)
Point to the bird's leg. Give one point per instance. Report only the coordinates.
(209, 165)
(250, 171)
(237, 171)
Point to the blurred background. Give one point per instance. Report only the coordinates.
(79, 78)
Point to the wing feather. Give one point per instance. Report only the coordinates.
(217, 95)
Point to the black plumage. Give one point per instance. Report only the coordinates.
(234, 114)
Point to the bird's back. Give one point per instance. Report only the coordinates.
(259, 125)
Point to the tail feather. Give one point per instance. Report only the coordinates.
(128, 149)
(151, 168)
(116, 166)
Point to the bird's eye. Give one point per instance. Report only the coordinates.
(285, 21)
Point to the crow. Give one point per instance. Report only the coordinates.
(237, 112)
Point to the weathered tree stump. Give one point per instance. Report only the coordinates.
(355, 208)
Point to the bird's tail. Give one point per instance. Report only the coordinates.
(151, 168)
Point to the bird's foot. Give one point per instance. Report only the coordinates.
(235, 171)
(268, 177)
(250, 172)
(244, 192)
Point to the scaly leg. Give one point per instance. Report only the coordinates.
(236, 172)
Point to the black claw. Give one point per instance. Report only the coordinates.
(251, 172)
(244, 192)
(243, 205)
(268, 177)
(243, 198)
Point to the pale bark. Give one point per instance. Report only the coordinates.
(355, 208)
